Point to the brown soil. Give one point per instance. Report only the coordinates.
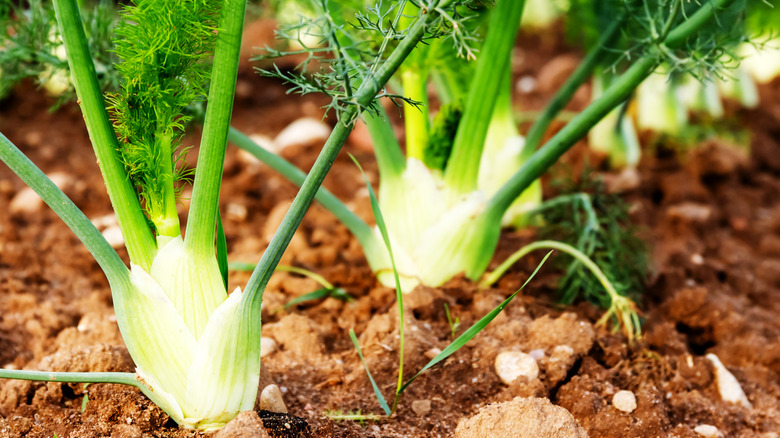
(713, 220)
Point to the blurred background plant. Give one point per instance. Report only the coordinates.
(31, 46)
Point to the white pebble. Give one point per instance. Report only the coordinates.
(526, 84)
(113, 235)
(25, 201)
(512, 364)
(236, 212)
(104, 221)
(563, 350)
(271, 399)
(267, 346)
(624, 401)
(708, 431)
(433, 352)
(537, 354)
(301, 132)
(728, 385)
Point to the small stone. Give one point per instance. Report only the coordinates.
(728, 386)
(271, 399)
(708, 431)
(526, 84)
(537, 354)
(421, 407)
(624, 401)
(102, 222)
(530, 417)
(113, 235)
(236, 212)
(697, 259)
(512, 364)
(689, 213)
(247, 424)
(301, 132)
(25, 201)
(433, 352)
(560, 362)
(267, 346)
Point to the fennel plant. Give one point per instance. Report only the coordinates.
(440, 222)
(196, 347)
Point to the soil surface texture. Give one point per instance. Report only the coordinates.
(710, 214)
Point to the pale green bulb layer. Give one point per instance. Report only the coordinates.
(201, 370)
(434, 234)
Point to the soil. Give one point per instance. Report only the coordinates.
(711, 215)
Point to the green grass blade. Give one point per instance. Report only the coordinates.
(377, 392)
(337, 293)
(222, 251)
(380, 223)
(473, 330)
(622, 308)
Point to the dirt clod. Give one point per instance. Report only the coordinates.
(246, 425)
(522, 418)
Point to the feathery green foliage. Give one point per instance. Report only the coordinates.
(596, 223)
(165, 47)
(31, 46)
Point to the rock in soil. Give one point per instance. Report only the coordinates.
(421, 407)
(271, 399)
(246, 425)
(530, 417)
(708, 431)
(624, 401)
(728, 386)
(512, 364)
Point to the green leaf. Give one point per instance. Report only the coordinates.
(377, 392)
(337, 293)
(399, 296)
(473, 330)
(222, 251)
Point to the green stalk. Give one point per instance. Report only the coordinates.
(463, 166)
(364, 95)
(545, 157)
(617, 92)
(138, 238)
(130, 379)
(622, 308)
(107, 258)
(564, 94)
(414, 82)
(167, 222)
(389, 156)
(355, 225)
(208, 174)
(96, 377)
